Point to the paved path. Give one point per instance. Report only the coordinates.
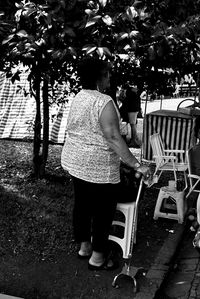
(3, 296)
(183, 281)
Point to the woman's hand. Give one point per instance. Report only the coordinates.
(145, 171)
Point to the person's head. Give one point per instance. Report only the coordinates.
(94, 73)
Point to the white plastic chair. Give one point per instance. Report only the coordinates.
(129, 211)
(126, 218)
(167, 160)
(127, 241)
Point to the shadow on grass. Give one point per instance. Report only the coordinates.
(35, 236)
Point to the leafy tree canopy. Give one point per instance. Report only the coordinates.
(54, 33)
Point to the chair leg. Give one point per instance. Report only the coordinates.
(198, 209)
(190, 191)
(159, 175)
(156, 174)
(186, 183)
(175, 177)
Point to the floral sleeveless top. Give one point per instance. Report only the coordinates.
(86, 154)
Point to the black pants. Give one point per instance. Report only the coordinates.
(94, 209)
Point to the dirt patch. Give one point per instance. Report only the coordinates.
(37, 250)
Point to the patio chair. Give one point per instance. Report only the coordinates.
(193, 173)
(194, 177)
(167, 159)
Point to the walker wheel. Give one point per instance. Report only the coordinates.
(135, 285)
(116, 286)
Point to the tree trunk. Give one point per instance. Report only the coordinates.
(45, 144)
(37, 131)
(197, 90)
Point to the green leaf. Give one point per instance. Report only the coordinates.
(72, 51)
(107, 20)
(143, 15)
(30, 46)
(22, 33)
(88, 11)
(134, 33)
(137, 3)
(107, 51)
(127, 47)
(92, 21)
(89, 51)
(188, 40)
(18, 5)
(27, 12)
(8, 39)
(122, 35)
(89, 48)
(103, 2)
(28, 55)
(40, 42)
(100, 51)
(131, 12)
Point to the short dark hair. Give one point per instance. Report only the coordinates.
(90, 70)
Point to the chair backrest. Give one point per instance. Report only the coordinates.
(157, 147)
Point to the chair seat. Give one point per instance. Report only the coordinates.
(177, 203)
(178, 166)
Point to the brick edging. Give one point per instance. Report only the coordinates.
(161, 266)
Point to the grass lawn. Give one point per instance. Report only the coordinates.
(37, 251)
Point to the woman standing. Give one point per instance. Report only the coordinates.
(91, 154)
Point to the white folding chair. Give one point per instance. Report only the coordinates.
(167, 159)
(194, 177)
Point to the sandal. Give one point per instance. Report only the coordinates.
(83, 257)
(85, 253)
(104, 266)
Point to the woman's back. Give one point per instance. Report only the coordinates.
(86, 154)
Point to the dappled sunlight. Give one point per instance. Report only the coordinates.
(169, 104)
(12, 190)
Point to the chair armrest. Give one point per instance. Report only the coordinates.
(175, 151)
(166, 157)
(194, 176)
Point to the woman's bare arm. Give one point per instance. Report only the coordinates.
(110, 126)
